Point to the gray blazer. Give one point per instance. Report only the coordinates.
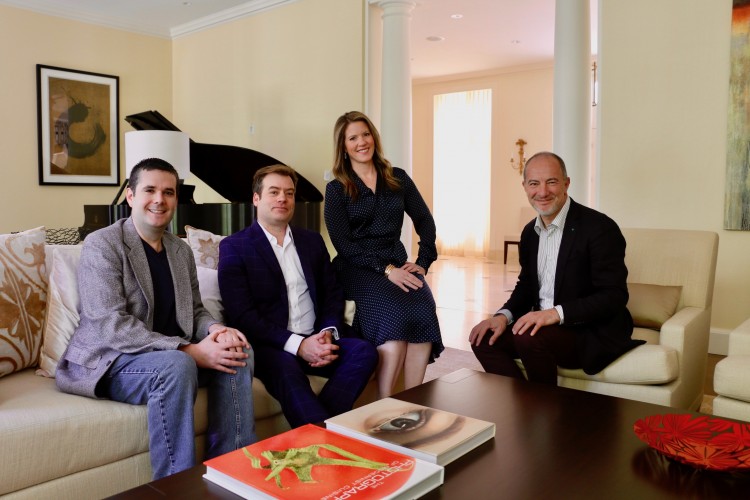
(117, 305)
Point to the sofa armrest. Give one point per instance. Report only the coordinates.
(739, 340)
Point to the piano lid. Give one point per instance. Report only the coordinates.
(226, 169)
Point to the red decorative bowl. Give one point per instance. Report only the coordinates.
(700, 441)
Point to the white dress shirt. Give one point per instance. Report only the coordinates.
(301, 307)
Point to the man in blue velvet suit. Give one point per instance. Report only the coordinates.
(569, 305)
(278, 286)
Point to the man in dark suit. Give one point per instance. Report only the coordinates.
(278, 285)
(569, 305)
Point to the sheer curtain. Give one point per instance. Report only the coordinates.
(461, 171)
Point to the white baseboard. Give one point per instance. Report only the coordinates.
(718, 342)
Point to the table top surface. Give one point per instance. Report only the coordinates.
(550, 442)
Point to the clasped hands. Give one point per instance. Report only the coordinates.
(318, 349)
(533, 320)
(403, 278)
(222, 349)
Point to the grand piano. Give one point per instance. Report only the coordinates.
(229, 171)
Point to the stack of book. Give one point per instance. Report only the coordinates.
(310, 462)
(387, 449)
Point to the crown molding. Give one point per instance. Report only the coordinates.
(247, 9)
(51, 8)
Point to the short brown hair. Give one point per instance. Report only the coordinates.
(279, 168)
(146, 166)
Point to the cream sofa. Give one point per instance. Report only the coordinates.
(732, 377)
(671, 284)
(57, 445)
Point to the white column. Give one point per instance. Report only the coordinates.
(571, 125)
(395, 121)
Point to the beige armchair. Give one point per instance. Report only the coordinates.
(671, 283)
(732, 377)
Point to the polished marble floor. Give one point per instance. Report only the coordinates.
(467, 290)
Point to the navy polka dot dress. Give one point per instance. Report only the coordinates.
(366, 234)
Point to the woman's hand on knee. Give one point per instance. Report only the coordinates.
(404, 279)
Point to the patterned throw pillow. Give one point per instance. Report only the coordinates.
(205, 246)
(23, 298)
(63, 236)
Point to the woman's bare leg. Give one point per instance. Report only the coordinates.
(415, 365)
(392, 356)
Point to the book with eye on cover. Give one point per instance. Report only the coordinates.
(311, 462)
(422, 432)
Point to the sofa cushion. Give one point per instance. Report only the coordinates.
(205, 246)
(23, 298)
(652, 305)
(208, 283)
(62, 317)
(49, 434)
(732, 377)
(647, 364)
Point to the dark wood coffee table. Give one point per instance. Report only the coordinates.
(551, 442)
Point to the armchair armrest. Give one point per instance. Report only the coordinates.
(689, 325)
(687, 332)
(739, 340)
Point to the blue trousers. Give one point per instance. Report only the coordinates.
(167, 382)
(285, 378)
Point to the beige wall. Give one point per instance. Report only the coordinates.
(288, 72)
(664, 94)
(291, 71)
(522, 108)
(144, 66)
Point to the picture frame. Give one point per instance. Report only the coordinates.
(78, 125)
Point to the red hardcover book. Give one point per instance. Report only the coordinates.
(311, 462)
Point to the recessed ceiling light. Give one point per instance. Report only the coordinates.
(515, 42)
(435, 38)
(456, 16)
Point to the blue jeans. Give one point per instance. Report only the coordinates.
(167, 382)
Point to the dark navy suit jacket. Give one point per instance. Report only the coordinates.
(590, 285)
(254, 293)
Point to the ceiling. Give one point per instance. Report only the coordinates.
(490, 34)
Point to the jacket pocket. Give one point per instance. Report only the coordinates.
(82, 357)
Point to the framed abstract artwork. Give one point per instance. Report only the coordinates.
(737, 190)
(77, 117)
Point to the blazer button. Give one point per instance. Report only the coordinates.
(109, 362)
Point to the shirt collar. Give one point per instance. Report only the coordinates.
(559, 220)
(272, 239)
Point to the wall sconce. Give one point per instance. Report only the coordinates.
(521, 160)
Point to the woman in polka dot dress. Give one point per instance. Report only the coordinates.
(364, 212)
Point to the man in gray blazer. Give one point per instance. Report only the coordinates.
(144, 336)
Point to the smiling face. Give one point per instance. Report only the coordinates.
(153, 201)
(359, 143)
(275, 203)
(546, 186)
